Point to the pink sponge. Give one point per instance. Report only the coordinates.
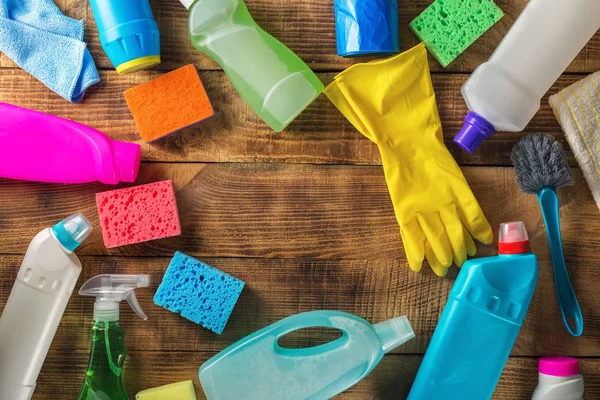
(138, 214)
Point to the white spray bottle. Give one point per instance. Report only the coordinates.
(36, 304)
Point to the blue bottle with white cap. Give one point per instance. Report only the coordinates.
(36, 304)
(480, 323)
(128, 33)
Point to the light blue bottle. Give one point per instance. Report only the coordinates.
(480, 322)
(256, 367)
(128, 33)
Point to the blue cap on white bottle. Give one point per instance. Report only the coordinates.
(72, 231)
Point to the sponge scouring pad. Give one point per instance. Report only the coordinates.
(199, 292)
(169, 103)
(448, 27)
(138, 214)
(174, 391)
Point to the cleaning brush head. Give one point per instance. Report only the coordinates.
(540, 162)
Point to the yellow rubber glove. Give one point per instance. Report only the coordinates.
(391, 102)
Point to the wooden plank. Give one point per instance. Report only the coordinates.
(308, 28)
(287, 211)
(317, 212)
(375, 290)
(320, 135)
(391, 379)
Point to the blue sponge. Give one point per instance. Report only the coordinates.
(199, 292)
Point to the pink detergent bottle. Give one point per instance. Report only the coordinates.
(39, 147)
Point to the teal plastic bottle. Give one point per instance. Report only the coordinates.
(258, 368)
(273, 80)
(480, 323)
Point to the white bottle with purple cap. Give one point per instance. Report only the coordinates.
(559, 379)
(36, 304)
(504, 93)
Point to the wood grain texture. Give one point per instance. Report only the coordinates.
(288, 211)
(320, 135)
(390, 380)
(308, 28)
(303, 216)
(276, 288)
(323, 213)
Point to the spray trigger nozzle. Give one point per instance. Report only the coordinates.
(110, 290)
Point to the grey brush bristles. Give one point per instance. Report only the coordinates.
(540, 162)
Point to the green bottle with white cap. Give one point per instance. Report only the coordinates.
(104, 375)
(273, 80)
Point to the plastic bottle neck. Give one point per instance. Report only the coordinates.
(127, 158)
(106, 311)
(71, 232)
(475, 129)
(394, 332)
(513, 248)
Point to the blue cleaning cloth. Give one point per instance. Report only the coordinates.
(366, 27)
(49, 45)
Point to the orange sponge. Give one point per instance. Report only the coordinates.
(169, 103)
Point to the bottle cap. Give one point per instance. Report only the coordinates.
(394, 332)
(128, 157)
(187, 3)
(475, 129)
(513, 238)
(110, 290)
(138, 64)
(558, 366)
(72, 231)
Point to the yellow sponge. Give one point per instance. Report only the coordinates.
(174, 391)
(168, 103)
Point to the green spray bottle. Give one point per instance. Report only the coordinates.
(104, 375)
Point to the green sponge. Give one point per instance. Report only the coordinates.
(174, 391)
(448, 27)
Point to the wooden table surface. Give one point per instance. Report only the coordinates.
(303, 216)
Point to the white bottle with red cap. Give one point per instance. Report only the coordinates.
(559, 379)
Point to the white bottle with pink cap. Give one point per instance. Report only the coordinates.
(559, 379)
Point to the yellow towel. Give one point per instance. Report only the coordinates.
(577, 109)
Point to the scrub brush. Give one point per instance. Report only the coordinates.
(541, 168)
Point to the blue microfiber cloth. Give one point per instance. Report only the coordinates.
(40, 39)
(199, 292)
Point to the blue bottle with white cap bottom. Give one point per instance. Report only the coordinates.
(128, 33)
(480, 323)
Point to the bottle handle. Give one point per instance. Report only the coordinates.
(569, 307)
(312, 319)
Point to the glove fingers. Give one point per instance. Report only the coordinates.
(435, 265)
(456, 235)
(413, 240)
(436, 235)
(473, 218)
(471, 248)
